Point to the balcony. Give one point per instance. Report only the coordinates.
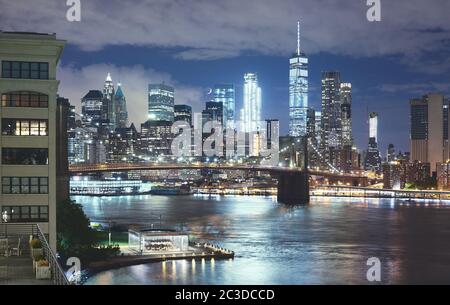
(16, 264)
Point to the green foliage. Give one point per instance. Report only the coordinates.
(77, 238)
(72, 227)
(426, 184)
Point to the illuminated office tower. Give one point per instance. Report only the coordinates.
(298, 91)
(225, 94)
(429, 129)
(331, 120)
(108, 100)
(160, 102)
(318, 127)
(121, 108)
(373, 158)
(251, 112)
(183, 113)
(346, 114)
(92, 110)
(311, 123)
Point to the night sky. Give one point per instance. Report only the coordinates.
(194, 44)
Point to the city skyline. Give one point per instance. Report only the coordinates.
(375, 57)
(213, 142)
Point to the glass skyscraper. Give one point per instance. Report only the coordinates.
(346, 113)
(225, 94)
(298, 91)
(251, 112)
(108, 100)
(160, 102)
(121, 108)
(331, 111)
(373, 158)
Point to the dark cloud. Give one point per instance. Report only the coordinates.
(217, 29)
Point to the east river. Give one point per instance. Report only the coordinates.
(327, 242)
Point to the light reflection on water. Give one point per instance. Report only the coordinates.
(327, 242)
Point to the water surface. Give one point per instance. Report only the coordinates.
(327, 242)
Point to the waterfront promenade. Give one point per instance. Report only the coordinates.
(365, 192)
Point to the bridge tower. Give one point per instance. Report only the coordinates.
(293, 187)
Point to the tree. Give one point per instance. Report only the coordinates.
(73, 230)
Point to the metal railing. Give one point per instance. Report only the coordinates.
(33, 230)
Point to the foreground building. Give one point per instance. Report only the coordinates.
(29, 154)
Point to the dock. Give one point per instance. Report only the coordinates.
(197, 251)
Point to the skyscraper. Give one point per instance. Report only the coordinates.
(183, 113)
(429, 127)
(346, 114)
(225, 94)
(373, 158)
(311, 123)
(251, 112)
(160, 102)
(390, 154)
(298, 91)
(121, 108)
(92, 110)
(331, 120)
(109, 103)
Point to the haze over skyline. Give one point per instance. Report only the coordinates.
(192, 45)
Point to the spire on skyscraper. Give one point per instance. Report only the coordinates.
(108, 77)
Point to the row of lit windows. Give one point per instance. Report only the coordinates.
(24, 127)
(24, 99)
(24, 69)
(30, 213)
(25, 185)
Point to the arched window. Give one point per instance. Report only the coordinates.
(24, 99)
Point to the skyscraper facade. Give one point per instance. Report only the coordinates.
(311, 124)
(183, 113)
(225, 94)
(251, 112)
(298, 91)
(429, 129)
(92, 110)
(346, 113)
(160, 102)
(373, 158)
(331, 120)
(121, 108)
(109, 102)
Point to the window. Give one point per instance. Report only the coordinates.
(25, 99)
(25, 156)
(25, 185)
(23, 69)
(28, 213)
(24, 127)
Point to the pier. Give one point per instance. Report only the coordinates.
(197, 251)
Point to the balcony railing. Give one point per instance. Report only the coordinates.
(27, 230)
